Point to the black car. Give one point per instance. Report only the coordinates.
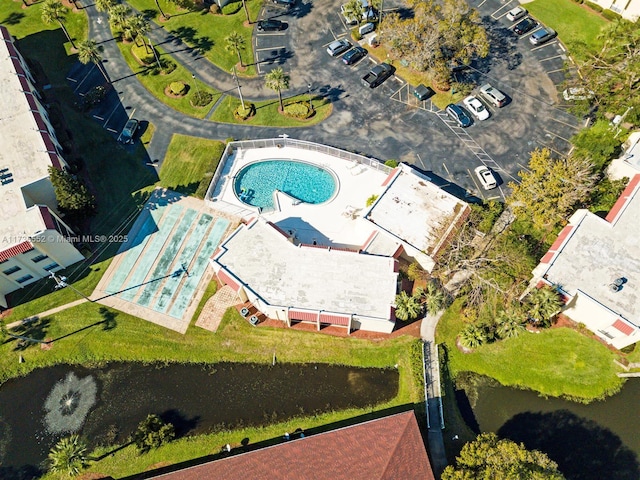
(270, 25)
(525, 25)
(422, 93)
(459, 115)
(353, 55)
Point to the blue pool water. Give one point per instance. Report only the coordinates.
(255, 183)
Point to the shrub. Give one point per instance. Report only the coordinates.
(298, 110)
(142, 54)
(597, 143)
(442, 77)
(244, 113)
(167, 66)
(593, 6)
(355, 33)
(489, 214)
(416, 272)
(94, 97)
(371, 200)
(178, 88)
(391, 163)
(231, 8)
(152, 432)
(214, 9)
(201, 98)
(611, 15)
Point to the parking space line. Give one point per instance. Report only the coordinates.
(550, 148)
(270, 48)
(270, 34)
(482, 3)
(556, 70)
(556, 135)
(575, 127)
(493, 15)
(475, 184)
(553, 58)
(544, 45)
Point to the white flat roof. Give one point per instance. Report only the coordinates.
(23, 155)
(596, 253)
(307, 277)
(415, 210)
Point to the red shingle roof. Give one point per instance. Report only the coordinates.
(22, 247)
(623, 327)
(389, 448)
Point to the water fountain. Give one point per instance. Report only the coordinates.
(68, 403)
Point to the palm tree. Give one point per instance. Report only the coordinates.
(277, 80)
(54, 11)
(472, 336)
(235, 43)
(509, 324)
(68, 455)
(544, 303)
(433, 298)
(407, 307)
(353, 9)
(118, 15)
(134, 27)
(104, 5)
(160, 10)
(88, 52)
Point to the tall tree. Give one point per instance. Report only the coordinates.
(68, 455)
(510, 323)
(489, 457)
(54, 11)
(71, 194)
(432, 297)
(407, 306)
(277, 80)
(88, 52)
(118, 15)
(353, 9)
(134, 27)
(236, 43)
(104, 5)
(543, 304)
(551, 188)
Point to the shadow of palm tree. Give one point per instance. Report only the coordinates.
(13, 18)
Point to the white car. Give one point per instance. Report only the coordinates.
(476, 107)
(516, 14)
(486, 177)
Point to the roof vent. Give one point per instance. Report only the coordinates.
(615, 287)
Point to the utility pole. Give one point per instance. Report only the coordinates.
(155, 54)
(61, 282)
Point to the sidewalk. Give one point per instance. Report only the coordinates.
(47, 313)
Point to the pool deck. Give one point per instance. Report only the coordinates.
(330, 223)
(147, 278)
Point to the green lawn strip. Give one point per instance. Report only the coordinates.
(203, 30)
(556, 362)
(190, 163)
(46, 43)
(574, 23)
(267, 113)
(148, 129)
(156, 84)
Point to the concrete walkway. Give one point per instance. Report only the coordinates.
(45, 314)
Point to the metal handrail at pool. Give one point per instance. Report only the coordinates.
(233, 147)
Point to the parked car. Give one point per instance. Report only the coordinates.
(541, 36)
(355, 54)
(476, 107)
(422, 93)
(525, 26)
(516, 14)
(377, 75)
(486, 177)
(270, 25)
(287, 3)
(577, 93)
(129, 131)
(339, 46)
(493, 95)
(458, 114)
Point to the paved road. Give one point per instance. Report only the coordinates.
(372, 122)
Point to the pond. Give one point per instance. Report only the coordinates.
(589, 442)
(105, 404)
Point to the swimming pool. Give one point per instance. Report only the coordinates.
(256, 182)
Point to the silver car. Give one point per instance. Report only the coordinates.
(339, 46)
(516, 14)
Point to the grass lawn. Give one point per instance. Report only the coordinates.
(208, 32)
(190, 163)
(156, 84)
(267, 112)
(133, 339)
(556, 362)
(574, 23)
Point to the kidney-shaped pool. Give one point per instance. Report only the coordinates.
(256, 182)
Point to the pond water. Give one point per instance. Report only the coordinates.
(589, 442)
(105, 404)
